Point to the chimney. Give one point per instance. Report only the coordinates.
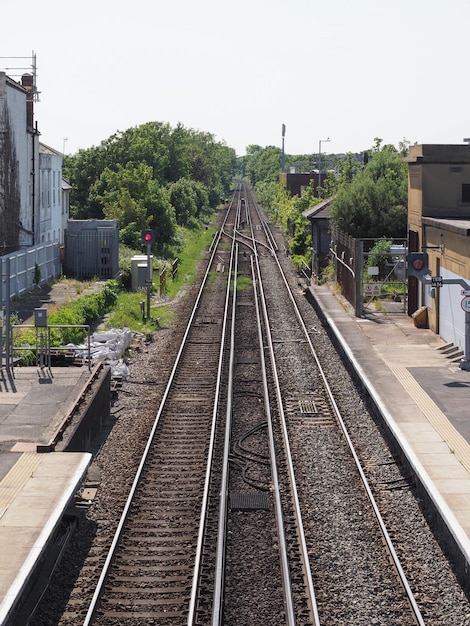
(27, 81)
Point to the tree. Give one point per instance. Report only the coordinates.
(82, 170)
(374, 203)
(184, 200)
(132, 196)
(262, 164)
(130, 176)
(179, 155)
(147, 143)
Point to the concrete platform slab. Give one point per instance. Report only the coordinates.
(33, 497)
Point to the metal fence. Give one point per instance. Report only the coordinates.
(384, 278)
(92, 249)
(25, 268)
(370, 278)
(345, 251)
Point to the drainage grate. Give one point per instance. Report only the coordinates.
(308, 407)
(311, 410)
(249, 501)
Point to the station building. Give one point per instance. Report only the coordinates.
(19, 158)
(439, 224)
(34, 198)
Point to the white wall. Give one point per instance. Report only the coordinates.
(51, 220)
(16, 102)
(24, 141)
(451, 314)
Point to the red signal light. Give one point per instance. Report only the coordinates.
(148, 236)
(418, 264)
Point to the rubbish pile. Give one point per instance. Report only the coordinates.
(108, 346)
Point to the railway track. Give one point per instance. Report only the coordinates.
(149, 569)
(350, 571)
(310, 416)
(217, 528)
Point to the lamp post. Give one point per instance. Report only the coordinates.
(319, 163)
(283, 163)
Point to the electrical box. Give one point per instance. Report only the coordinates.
(40, 317)
(140, 271)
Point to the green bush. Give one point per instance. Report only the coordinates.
(125, 265)
(379, 255)
(86, 310)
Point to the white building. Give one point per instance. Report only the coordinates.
(34, 200)
(53, 196)
(19, 156)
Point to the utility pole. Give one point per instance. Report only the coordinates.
(319, 163)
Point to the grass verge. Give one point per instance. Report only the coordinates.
(131, 307)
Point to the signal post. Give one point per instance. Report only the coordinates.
(148, 238)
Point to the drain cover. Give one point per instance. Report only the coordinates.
(308, 406)
(249, 501)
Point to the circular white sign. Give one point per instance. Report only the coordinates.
(465, 304)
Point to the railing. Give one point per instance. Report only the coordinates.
(28, 267)
(305, 271)
(42, 348)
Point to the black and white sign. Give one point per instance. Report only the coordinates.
(465, 304)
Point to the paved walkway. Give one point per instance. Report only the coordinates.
(35, 489)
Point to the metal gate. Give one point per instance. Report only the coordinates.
(383, 276)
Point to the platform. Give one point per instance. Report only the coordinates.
(35, 489)
(33, 401)
(34, 495)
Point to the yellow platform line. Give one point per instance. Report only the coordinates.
(16, 478)
(457, 444)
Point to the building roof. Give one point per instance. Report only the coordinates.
(456, 225)
(438, 153)
(320, 210)
(11, 83)
(43, 149)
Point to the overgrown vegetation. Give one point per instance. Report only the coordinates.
(151, 176)
(66, 324)
(172, 179)
(369, 193)
(379, 256)
(117, 304)
(374, 203)
(127, 310)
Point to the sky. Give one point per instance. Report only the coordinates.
(348, 71)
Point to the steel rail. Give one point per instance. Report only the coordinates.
(285, 569)
(290, 465)
(388, 542)
(217, 615)
(120, 528)
(217, 612)
(218, 582)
